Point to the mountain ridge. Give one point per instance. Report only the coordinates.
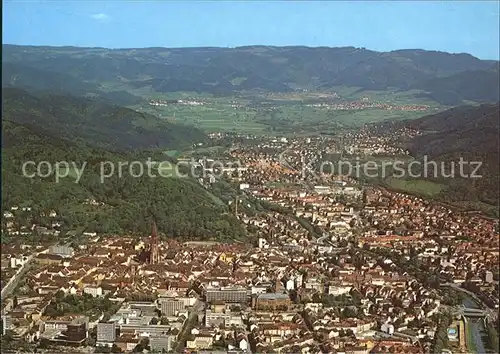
(250, 46)
(268, 68)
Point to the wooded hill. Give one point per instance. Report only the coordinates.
(471, 133)
(61, 128)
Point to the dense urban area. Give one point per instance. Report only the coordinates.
(330, 264)
(247, 177)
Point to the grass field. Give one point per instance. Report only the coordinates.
(416, 186)
(212, 151)
(172, 153)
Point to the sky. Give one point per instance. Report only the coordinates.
(451, 26)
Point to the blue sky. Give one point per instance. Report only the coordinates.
(452, 26)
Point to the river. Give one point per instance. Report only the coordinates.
(476, 326)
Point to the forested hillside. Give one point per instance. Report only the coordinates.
(470, 133)
(477, 86)
(181, 207)
(95, 122)
(32, 79)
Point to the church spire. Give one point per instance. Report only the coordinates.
(154, 255)
(154, 231)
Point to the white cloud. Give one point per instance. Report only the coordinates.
(100, 17)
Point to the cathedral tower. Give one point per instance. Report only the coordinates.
(154, 255)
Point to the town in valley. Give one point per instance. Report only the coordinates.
(332, 264)
(289, 177)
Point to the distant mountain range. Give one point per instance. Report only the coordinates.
(449, 79)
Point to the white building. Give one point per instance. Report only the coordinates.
(95, 291)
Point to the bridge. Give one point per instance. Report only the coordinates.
(491, 314)
(474, 313)
(470, 312)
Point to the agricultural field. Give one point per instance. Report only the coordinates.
(393, 96)
(286, 113)
(214, 115)
(352, 93)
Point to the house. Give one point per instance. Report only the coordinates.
(200, 341)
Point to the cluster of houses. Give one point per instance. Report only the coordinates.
(322, 276)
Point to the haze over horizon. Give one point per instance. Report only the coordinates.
(451, 26)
